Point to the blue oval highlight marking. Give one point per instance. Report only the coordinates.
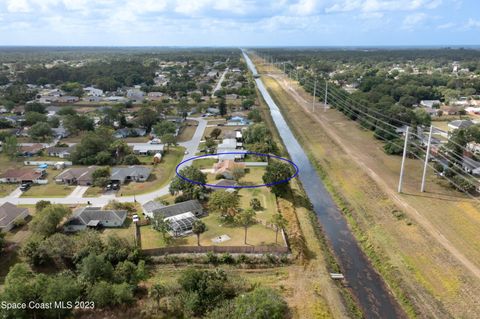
(238, 186)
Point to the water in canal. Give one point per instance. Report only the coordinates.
(367, 286)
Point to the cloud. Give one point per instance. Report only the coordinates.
(447, 25)
(15, 6)
(304, 7)
(473, 24)
(413, 20)
(183, 22)
(382, 6)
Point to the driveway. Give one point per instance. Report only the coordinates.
(16, 193)
(76, 196)
(78, 191)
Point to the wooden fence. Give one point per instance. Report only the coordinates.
(216, 249)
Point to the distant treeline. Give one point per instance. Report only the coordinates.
(106, 75)
(45, 54)
(438, 56)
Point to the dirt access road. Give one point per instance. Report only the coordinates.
(365, 161)
(438, 284)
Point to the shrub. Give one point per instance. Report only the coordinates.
(227, 258)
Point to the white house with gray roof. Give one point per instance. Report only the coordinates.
(94, 217)
(147, 148)
(134, 173)
(193, 206)
(150, 207)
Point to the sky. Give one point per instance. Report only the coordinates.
(239, 22)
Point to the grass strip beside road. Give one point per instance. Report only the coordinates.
(385, 234)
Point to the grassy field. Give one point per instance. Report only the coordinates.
(393, 239)
(6, 189)
(93, 191)
(187, 131)
(161, 174)
(51, 189)
(257, 235)
(127, 231)
(307, 287)
(203, 163)
(224, 129)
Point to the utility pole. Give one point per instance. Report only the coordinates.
(427, 157)
(407, 134)
(283, 67)
(314, 93)
(326, 97)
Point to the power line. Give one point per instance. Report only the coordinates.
(350, 109)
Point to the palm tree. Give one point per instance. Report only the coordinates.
(245, 218)
(156, 292)
(162, 225)
(279, 222)
(198, 228)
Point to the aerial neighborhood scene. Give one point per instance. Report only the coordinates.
(228, 159)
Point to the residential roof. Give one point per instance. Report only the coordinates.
(228, 143)
(461, 123)
(182, 223)
(92, 216)
(224, 183)
(34, 148)
(8, 213)
(60, 149)
(148, 147)
(80, 173)
(227, 166)
(125, 132)
(152, 205)
(180, 208)
(22, 174)
(430, 103)
(135, 171)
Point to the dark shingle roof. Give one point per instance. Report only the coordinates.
(8, 213)
(180, 208)
(87, 215)
(152, 205)
(121, 173)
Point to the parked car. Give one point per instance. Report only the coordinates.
(112, 186)
(155, 141)
(25, 186)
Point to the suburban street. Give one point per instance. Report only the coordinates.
(76, 196)
(219, 83)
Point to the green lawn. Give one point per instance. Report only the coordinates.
(269, 204)
(6, 189)
(93, 191)
(161, 174)
(187, 131)
(257, 235)
(127, 231)
(203, 163)
(51, 189)
(253, 176)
